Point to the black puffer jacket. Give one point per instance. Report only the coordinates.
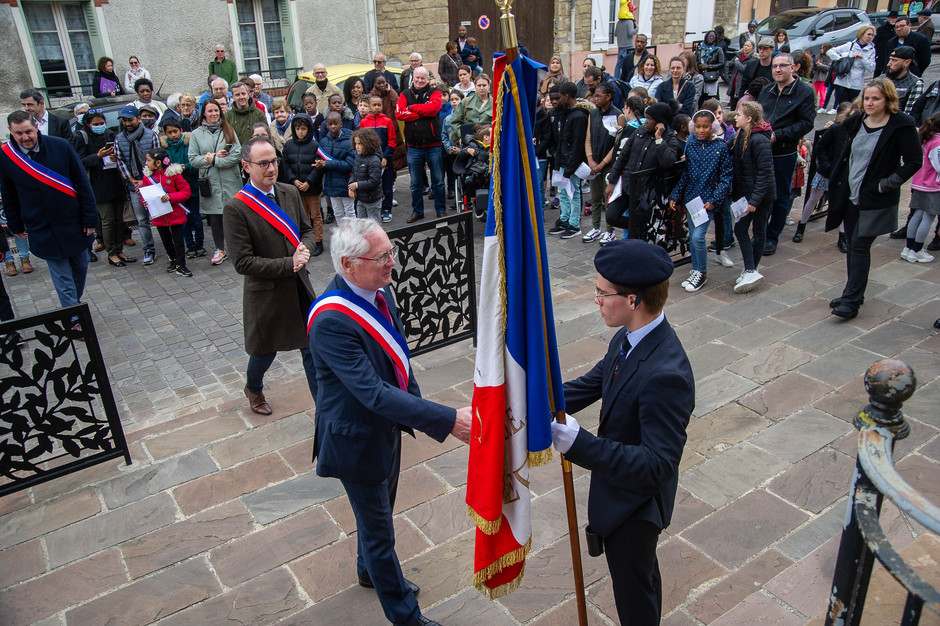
(641, 152)
(367, 174)
(753, 167)
(791, 112)
(299, 155)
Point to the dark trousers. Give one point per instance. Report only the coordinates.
(634, 573)
(172, 238)
(388, 186)
(844, 94)
(784, 167)
(857, 261)
(373, 505)
(193, 232)
(259, 364)
(6, 306)
(752, 248)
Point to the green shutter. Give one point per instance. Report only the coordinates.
(94, 32)
(287, 33)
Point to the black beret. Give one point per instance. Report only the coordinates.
(661, 112)
(633, 263)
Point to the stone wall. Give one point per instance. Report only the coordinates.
(668, 22)
(406, 26)
(582, 27)
(726, 14)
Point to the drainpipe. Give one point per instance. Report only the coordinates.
(571, 46)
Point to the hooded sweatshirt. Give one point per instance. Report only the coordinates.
(299, 155)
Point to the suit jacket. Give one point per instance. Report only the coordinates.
(628, 67)
(276, 299)
(360, 408)
(59, 127)
(53, 220)
(921, 47)
(635, 456)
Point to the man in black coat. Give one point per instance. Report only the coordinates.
(647, 395)
(635, 60)
(883, 34)
(907, 37)
(49, 125)
(368, 80)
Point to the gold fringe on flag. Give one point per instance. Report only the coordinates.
(516, 556)
(487, 527)
(543, 457)
(496, 132)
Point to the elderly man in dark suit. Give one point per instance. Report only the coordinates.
(269, 238)
(366, 396)
(647, 392)
(48, 199)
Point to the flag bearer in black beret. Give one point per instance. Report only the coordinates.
(647, 394)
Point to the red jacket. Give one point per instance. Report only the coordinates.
(172, 181)
(385, 129)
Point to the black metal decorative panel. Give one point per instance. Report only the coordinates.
(57, 412)
(434, 281)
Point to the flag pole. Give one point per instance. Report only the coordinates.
(507, 22)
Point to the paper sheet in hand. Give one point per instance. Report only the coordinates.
(151, 195)
(610, 123)
(584, 172)
(739, 208)
(108, 163)
(617, 192)
(559, 180)
(696, 209)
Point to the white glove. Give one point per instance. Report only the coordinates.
(563, 435)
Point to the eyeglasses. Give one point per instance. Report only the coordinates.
(265, 164)
(318, 73)
(377, 62)
(135, 62)
(602, 294)
(780, 66)
(382, 259)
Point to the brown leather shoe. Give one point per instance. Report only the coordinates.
(99, 247)
(11, 268)
(257, 402)
(27, 266)
(130, 242)
(414, 217)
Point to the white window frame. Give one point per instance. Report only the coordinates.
(260, 36)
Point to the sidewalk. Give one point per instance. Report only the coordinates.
(222, 520)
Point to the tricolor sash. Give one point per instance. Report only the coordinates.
(373, 322)
(323, 155)
(270, 212)
(154, 182)
(39, 171)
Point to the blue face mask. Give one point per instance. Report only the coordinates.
(99, 130)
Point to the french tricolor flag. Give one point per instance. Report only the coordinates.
(517, 382)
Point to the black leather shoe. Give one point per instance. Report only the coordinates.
(845, 311)
(366, 581)
(92, 257)
(837, 301)
(934, 244)
(798, 235)
(843, 244)
(423, 621)
(118, 263)
(770, 248)
(900, 233)
(317, 249)
(936, 324)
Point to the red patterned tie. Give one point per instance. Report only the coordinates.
(382, 305)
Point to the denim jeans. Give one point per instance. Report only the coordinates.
(22, 247)
(258, 365)
(68, 277)
(571, 205)
(388, 186)
(417, 157)
(193, 232)
(143, 221)
(783, 178)
(622, 54)
(697, 243)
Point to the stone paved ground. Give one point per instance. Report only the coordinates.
(221, 518)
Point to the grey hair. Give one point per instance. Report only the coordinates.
(225, 82)
(417, 54)
(422, 69)
(381, 54)
(173, 100)
(349, 240)
(79, 107)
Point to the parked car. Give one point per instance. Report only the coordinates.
(809, 28)
(111, 107)
(879, 18)
(337, 74)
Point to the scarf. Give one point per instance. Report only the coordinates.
(547, 81)
(136, 162)
(705, 52)
(282, 128)
(212, 128)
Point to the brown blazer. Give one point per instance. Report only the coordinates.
(275, 309)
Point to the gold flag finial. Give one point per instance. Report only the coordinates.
(507, 22)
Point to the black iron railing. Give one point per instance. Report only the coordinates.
(889, 384)
(57, 412)
(651, 219)
(435, 283)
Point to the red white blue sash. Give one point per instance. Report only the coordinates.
(372, 321)
(270, 212)
(152, 181)
(39, 171)
(323, 155)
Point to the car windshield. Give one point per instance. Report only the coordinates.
(796, 23)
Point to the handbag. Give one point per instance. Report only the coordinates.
(205, 188)
(128, 212)
(842, 67)
(711, 76)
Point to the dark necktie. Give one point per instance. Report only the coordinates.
(270, 194)
(622, 355)
(382, 306)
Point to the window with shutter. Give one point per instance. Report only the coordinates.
(66, 44)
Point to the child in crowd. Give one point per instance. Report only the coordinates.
(336, 163)
(753, 180)
(280, 128)
(471, 55)
(362, 109)
(300, 151)
(799, 174)
(335, 103)
(723, 221)
(681, 125)
(473, 161)
(161, 171)
(176, 144)
(707, 176)
(366, 185)
(385, 129)
(452, 147)
(822, 67)
(925, 193)
(316, 118)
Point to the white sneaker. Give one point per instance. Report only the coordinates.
(218, 257)
(591, 235)
(606, 238)
(820, 110)
(790, 221)
(696, 281)
(920, 257)
(749, 280)
(394, 202)
(724, 259)
(906, 254)
(831, 112)
(740, 277)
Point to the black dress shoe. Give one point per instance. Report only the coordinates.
(934, 244)
(770, 248)
(845, 311)
(422, 621)
(118, 263)
(900, 233)
(92, 257)
(128, 259)
(366, 581)
(837, 301)
(317, 249)
(936, 324)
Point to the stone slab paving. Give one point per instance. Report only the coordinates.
(221, 518)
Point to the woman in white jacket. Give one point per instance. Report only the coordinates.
(863, 51)
(648, 76)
